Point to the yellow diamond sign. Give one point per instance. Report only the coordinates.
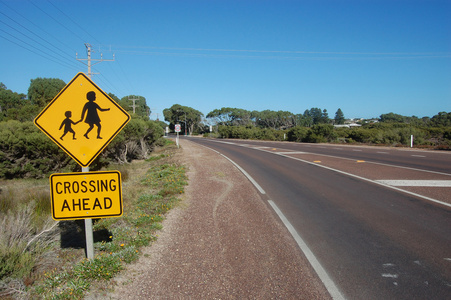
(82, 119)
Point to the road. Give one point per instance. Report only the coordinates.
(376, 220)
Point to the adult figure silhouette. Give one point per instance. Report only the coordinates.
(92, 117)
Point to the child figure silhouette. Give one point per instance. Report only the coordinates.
(92, 117)
(67, 123)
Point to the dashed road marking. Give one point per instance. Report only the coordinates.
(388, 275)
(292, 152)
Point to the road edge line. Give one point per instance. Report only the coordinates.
(365, 179)
(257, 186)
(322, 274)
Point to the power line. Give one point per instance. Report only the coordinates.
(285, 51)
(54, 58)
(31, 37)
(40, 28)
(50, 16)
(294, 55)
(68, 17)
(89, 60)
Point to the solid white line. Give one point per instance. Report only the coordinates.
(371, 162)
(322, 274)
(257, 186)
(433, 183)
(365, 179)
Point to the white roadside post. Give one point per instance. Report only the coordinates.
(177, 128)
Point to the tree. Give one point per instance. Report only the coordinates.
(441, 119)
(392, 118)
(339, 117)
(274, 119)
(188, 117)
(317, 116)
(14, 106)
(325, 117)
(230, 116)
(141, 109)
(43, 90)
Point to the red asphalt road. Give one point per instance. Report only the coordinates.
(374, 241)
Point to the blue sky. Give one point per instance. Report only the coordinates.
(366, 57)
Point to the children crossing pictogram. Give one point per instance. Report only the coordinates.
(82, 97)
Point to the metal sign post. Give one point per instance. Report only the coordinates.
(88, 230)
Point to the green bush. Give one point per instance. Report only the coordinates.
(26, 152)
(135, 141)
(252, 133)
(297, 134)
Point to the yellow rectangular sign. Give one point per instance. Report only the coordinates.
(86, 195)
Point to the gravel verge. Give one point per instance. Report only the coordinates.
(222, 242)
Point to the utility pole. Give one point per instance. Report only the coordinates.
(134, 105)
(90, 60)
(88, 222)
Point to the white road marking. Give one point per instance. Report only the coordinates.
(433, 183)
(382, 152)
(292, 152)
(365, 179)
(388, 265)
(257, 186)
(357, 150)
(322, 274)
(387, 275)
(352, 159)
(417, 155)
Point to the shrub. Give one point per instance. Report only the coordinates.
(135, 141)
(27, 152)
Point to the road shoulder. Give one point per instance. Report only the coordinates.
(223, 241)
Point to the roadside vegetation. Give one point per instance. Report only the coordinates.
(44, 259)
(314, 126)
